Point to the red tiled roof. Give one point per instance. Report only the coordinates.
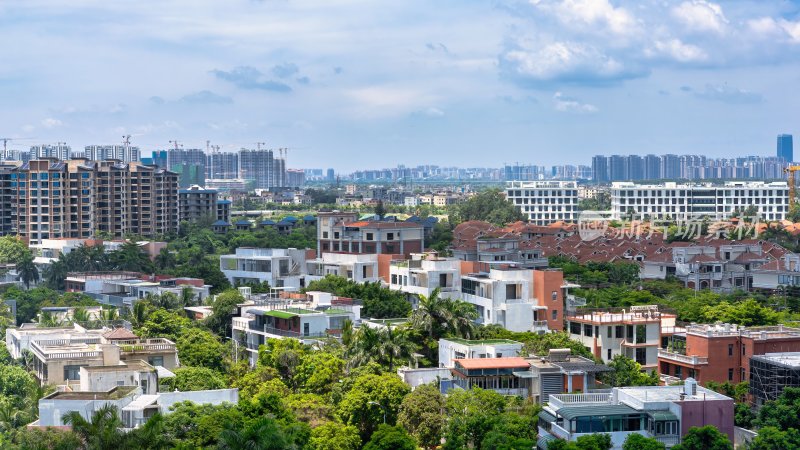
(120, 334)
(493, 363)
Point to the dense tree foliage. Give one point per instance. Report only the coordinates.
(379, 302)
(30, 302)
(421, 414)
(490, 205)
(588, 442)
(637, 441)
(704, 438)
(628, 372)
(387, 437)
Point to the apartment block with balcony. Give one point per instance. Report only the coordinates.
(424, 273)
(665, 413)
(279, 267)
(123, 289)
(545, 202)
(319, 315)
(634, 333)
(516, 298)
(76, 198)
(722, 352)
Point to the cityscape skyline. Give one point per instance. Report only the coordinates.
(345, 81)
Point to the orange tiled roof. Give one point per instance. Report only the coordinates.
(493, 363)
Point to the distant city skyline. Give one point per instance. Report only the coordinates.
(348, 84)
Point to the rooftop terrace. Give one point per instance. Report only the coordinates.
(482, 341)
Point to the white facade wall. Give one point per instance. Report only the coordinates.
(684, 201)
(545, 202)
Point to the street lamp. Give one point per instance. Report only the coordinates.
(382, 407)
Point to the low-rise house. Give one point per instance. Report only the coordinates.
(122, 289)
(635, 333)
(321, 315)
(496, 374)
(424, 273)
(516, 298)
(722, 352)
(665, 413)
(60, 354)
(135, 407)
(360, 268)
(278, 267)
(452, 349)
(131, 373)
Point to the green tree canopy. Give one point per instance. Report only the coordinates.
(195, 379)
(637, 441)
(421, 413)
(200, 348)
(704, 438)
(372, 397)
(387, 437)
(490, 205)
(783, 413)
(628, 372)
(334, 436)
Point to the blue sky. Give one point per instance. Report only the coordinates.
(347, 84)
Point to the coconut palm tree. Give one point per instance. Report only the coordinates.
(138, 314)
(394, 345)
(103, 431)
(27, 270)
(363, 347)
(430, 315)
(187, 296)
(80, 315)
(49, 320)
(460, 318)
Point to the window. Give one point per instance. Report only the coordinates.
(641, 356)
(554, 295)
(389, 236)
(743, 350)
(555, 314)
(587, 330)
(324, 235)
(609, 355)
(641, 334)
(370, 236)
(156, 361)
(620, 332)
(730, 349)
(609, 331)
(574, 328)
(730, 374)
(72, 373)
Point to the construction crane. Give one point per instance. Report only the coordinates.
(790, 170)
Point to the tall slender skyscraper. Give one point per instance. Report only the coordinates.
(785, 149)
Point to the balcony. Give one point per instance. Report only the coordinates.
(692, 360)
(540, 325)
(156, 345)
(558, 401)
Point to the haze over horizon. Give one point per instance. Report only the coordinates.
(350, 84)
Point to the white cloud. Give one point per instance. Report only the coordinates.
(792, 29)
(572, 105)
(679, 51)
(566, 61)
(433, 112)
(51, 123)
(700, 15)
(592, 13)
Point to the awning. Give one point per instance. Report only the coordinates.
(544, 440)
(163, 372)
(572, 412)
(659, 416)
(525, 374)
(545, 416)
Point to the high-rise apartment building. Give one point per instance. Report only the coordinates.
(222, 166)
(196, 204)
(618, 168)
(262, 167)
(636, 167)
(670, 167)
(295, 177)
(60, 151)
(124, 153)
(600, 169)
(77, 198)
(785, 147)
(652, 167)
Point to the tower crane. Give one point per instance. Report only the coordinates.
(790, 170)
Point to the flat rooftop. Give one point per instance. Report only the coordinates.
(482, 341)
(757, 333)
(137, 365)
(788, 359)
(113, 394)
(668, 393)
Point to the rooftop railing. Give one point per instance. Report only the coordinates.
(561, 400)
(693, 360)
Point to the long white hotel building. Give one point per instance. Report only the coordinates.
(545, 202)
(686, 201)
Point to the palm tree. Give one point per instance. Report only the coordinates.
(27, 270)
(394, 344)
(80, 315)
(108, 315)
(138, 313)
(187, 297)
(103, 431)
(363, 348)
(48, 320)
(460, 318)
(262, 434)
(165, 259)
(150, 435)
(430, 315)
